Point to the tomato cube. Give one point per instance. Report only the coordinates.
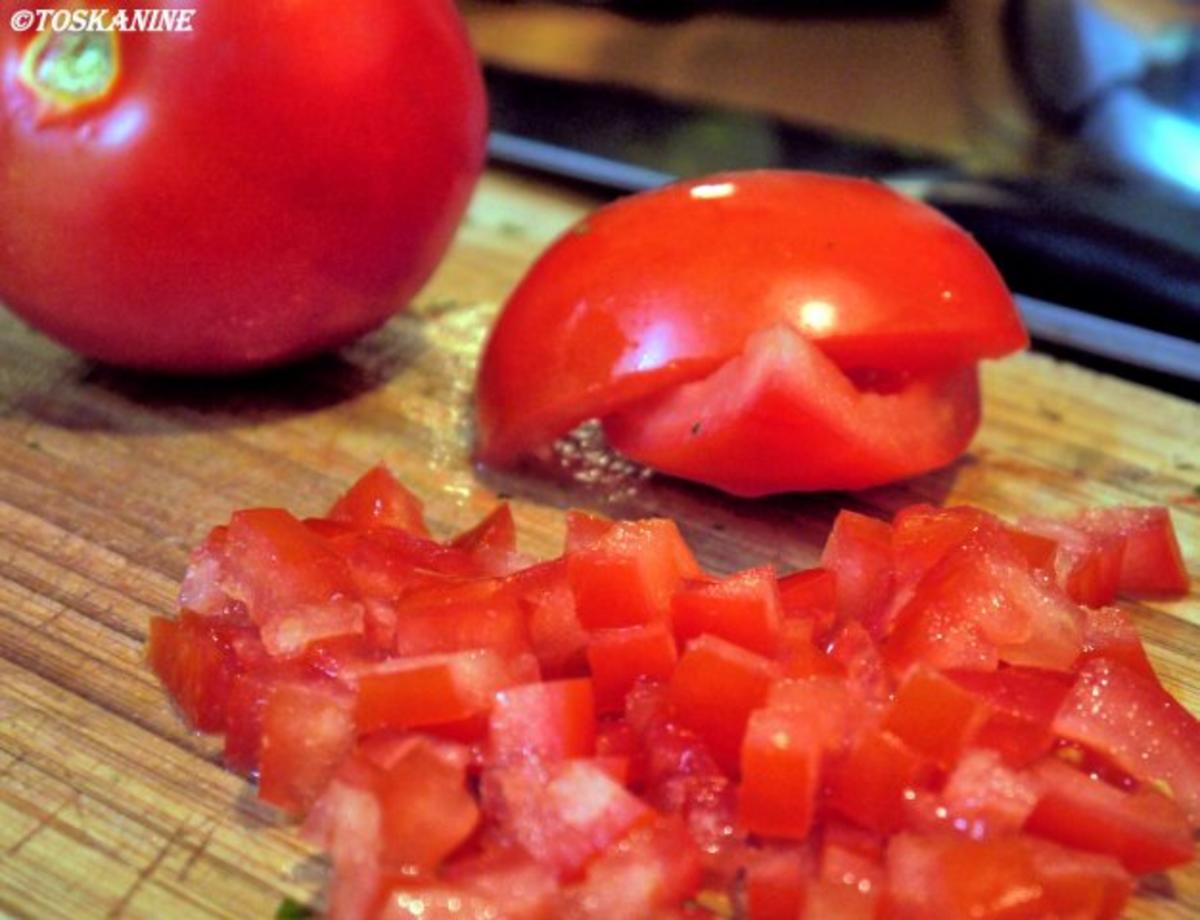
(807, 593)
(869, 783)
(781, 772)
(497, 624)
(563, 816)
(1152, 563)
(1144, 829)
(584, 529)
(647, 872)
(543, 722)
(435, 689)
(934, 716)
(745, 609)
(307, 730)
(619, 657)
(426, 808)
(1108, 632)
(1137, 725)
(714, 689)
(378, 499)
(1007, 877)
(194, 658)
(776, 881)
(628, 576)
(1022, 703)
(1086, 564)
(859, 554)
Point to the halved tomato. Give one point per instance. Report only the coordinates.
(665, 288)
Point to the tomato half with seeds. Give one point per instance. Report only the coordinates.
(760, 332)
(272, 183)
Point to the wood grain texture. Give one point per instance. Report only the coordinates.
(108, 807)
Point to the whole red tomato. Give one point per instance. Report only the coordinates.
(269, 184)
(760, 332)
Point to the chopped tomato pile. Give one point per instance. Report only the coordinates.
(948, 718)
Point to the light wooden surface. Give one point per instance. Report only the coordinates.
(109, 807)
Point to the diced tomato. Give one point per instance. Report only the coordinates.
(584, 529)
(776, 881)
(850, 866)
(413, 899)
(913, 730)
(982, 798)
(295, 587)
(427, 810)
(549, 722)
(859, 554)
(833, 899)
(800, 658)
(565, 816)
(492, 543)
(378, 499)
(1023, 704)
(203, 588)
(386, 562)
(825, 704)
(808, 590)
(1138, 726)
(1144, 829)
(934, 716)
(307, 729)
(1086, 564)
(714, 689)
(856, 652)
(922, 535)
(781, 772)
(347, 822)
(745, 609)
(650, 870)
(498, 624)
(628, 576)
(1152, 563)
(980, 604)
(510, 879)
(1108, 632)
(869, 783)
(194, 658)
(619, 657)
(435, 689)
(558, 638)
(1005, 877)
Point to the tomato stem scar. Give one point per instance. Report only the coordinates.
(68, 71)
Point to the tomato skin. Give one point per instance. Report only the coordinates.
(745, 252)
(338, 155)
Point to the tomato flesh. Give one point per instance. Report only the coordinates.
(925, 726)
(820, 257)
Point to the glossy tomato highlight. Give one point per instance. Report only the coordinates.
(759, 332)
(270, 184)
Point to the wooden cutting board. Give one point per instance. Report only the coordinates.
(109, 807)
